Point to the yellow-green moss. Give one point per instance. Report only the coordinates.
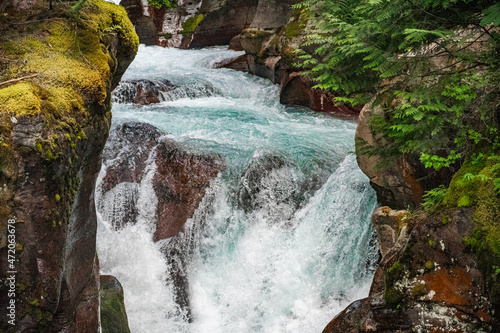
(20, 99)
(429, 265)
(419, 289)
(191, 23)
(463, 190)
(68, 57)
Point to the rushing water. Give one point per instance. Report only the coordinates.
(288, 260)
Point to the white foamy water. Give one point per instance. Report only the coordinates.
(282, 240)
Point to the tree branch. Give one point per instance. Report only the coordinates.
(18, 79)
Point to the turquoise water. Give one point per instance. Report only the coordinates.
(286, 260)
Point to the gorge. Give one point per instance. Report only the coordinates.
(281, 237)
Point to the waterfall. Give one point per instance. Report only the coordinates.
(282, 239)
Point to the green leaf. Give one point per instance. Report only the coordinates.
(491, 16)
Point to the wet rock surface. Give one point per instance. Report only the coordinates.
(256, 187)
(142, 92)
(179, 183)
(223, 21)
(177, 174)
(50, 161)
(139, 160)
(428, 281)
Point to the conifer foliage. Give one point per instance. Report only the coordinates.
(432, 65)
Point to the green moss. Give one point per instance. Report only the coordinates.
(34, 302)
(49, 156)
(293, 29)
(252, 33)
(113, 314)
(432, 243)
(445, 220)
(20, 99)
(485, 238)
(166, 35)
(38, 147)
(191, 23)
(419, 289)
(69, 62)
(465, 185)
(393, 297)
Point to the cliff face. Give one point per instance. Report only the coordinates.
(269, 43)
(438, 267)
(190, 24)
(55, 122)
(267, 30)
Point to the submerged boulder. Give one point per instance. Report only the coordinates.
(267, 183)
(142, 92)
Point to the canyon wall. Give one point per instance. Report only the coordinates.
(57, 70)
(269, 31)
(437, 272)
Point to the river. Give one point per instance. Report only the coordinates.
(292, 261)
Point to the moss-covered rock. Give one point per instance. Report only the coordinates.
(56, 75)
(113, 314)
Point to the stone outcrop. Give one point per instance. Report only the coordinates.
(428, 281)
(113, 314)
(178, 176)
(54, 124)
(399, 181)
(269, 44)
(438, 266)
(222, 21)
(179, 183)
(191, 23)
(164, 26)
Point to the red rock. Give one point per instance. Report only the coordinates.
(180, 180)
(450, 285)
(297, 90)
(238, 64)
(180, 184)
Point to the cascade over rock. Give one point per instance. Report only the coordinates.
(54, 126)
(267, 30)
(143, 92)
(269, 43)
(179, 178)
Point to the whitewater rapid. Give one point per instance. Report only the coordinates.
(288, 263)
